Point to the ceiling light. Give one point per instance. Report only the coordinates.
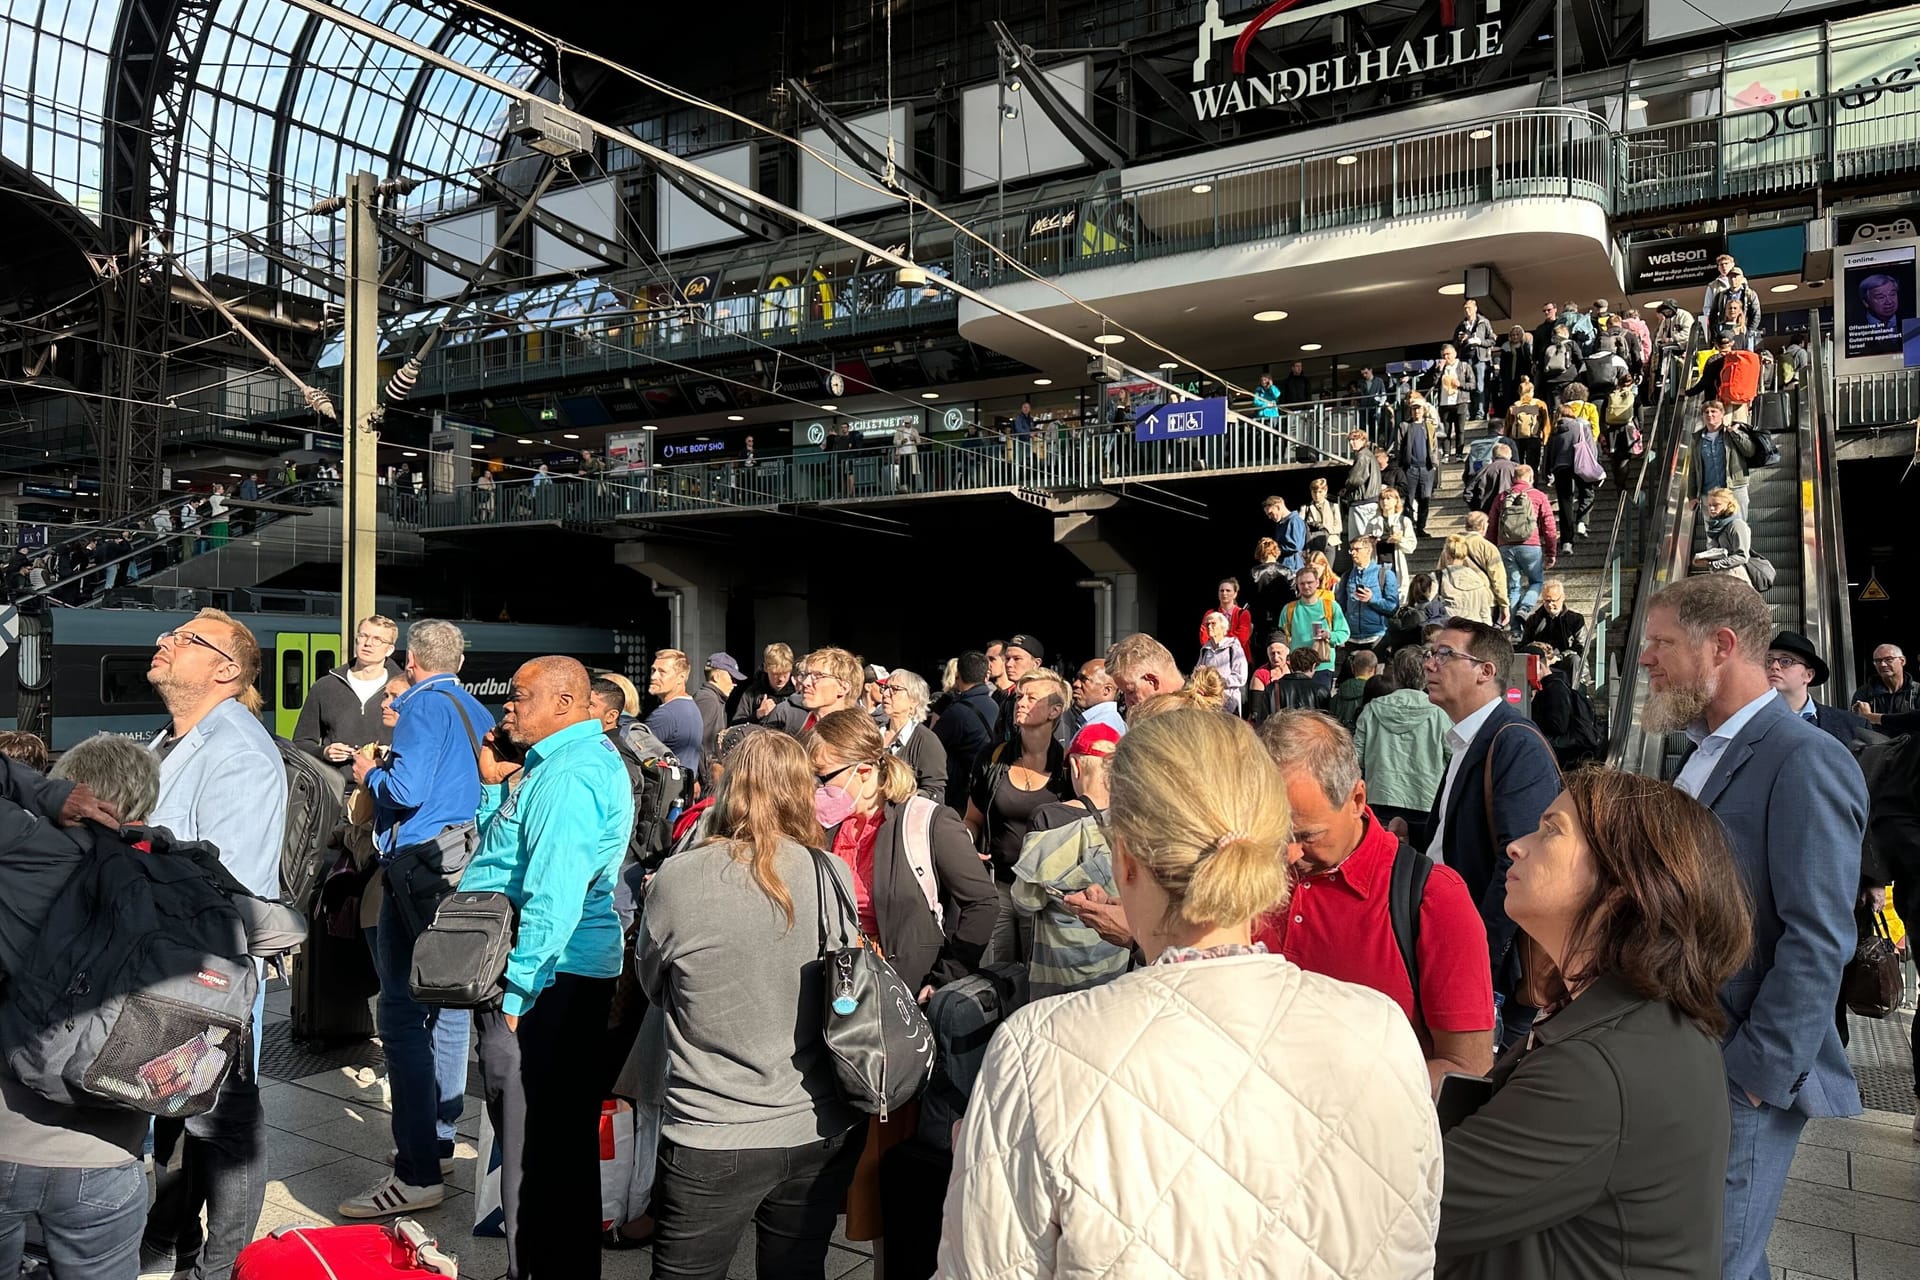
(1110, 339)
(1783, 288)
(1347, 159)
(1455, 289)
(523, 440)
(1481, 135)
(1043, 382)
(648, 426)
(703, 437)
(1013, 86)
(735, 417)
(1169, 364)
(1636, 104)
(1268, 317)
(1343, 366)
(929, 395)
(476, 446)
(233, 475)
(1201, 188)
(409, 454)
(828, 408)
(569, 436)
(1309, 346)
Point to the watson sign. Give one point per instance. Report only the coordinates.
(1228, 90)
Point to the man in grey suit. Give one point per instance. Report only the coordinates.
(222, 781)
(1794, 805)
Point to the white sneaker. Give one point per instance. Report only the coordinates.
(1581, 529)
(389, 1196)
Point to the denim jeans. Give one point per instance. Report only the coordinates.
(89, 1218)
(426, 1052)
(704, 1200)
(1526, 572)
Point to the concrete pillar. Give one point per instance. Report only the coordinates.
(1081, 533)
(696, 595)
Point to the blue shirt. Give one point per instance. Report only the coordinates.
(1713, 459)
(1268, 399)
(552, 839)
(432, 779)
(1290, 531)
(677, 724)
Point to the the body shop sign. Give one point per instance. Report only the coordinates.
(1226, 87)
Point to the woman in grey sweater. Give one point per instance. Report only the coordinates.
(755, 1129)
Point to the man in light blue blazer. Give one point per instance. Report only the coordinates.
(222, 781)
(1794, 806)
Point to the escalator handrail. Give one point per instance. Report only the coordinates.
(1826, 602)
(1669, 545)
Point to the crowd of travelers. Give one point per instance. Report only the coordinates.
(1166, 943)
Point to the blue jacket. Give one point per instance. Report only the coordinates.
(1290, 531)
(1843, 726)
(226, 784)
(432, 779)
(1371, 617)
(1526, 778)
(552, 840)
(1794, 805)
(1267, 399)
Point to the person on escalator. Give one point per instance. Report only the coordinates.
(1722, 451)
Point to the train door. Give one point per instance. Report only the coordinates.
(299, 658)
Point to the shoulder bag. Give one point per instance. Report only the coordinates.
(1870, 984)
(877, 1038)
(460, 962)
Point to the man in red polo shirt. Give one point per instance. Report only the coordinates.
(1338, 923)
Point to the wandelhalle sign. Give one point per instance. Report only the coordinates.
(1229, 90)
(1186, 420)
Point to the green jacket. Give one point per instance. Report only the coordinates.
(1401, 740)
(1346, 700)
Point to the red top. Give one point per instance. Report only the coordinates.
(853, 845)
(1337, 923)
(1239, 625)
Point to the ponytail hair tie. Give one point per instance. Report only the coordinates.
(1219, 846)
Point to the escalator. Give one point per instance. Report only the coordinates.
(1795, 521)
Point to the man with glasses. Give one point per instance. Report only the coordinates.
(1500, 779)
(1794, 669)
(221, 781)
(342, 714)
(829, 680)
(1891, 691)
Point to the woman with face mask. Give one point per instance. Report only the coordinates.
(933, 929)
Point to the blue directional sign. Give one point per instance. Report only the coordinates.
(1186, 420)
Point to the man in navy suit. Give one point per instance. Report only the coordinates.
(1794, 670)
(1794, 805)
(1501, 778)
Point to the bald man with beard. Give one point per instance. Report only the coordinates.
(554, 822)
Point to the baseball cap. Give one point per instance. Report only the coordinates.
(1095, 740)
(1723, 333)
(876, 674)
(1031, 644)
(724, 662)
(1666, 306)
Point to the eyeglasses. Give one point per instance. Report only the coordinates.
(823, 779)
(183, 637)
(808, 677)
(1446, 653)
(1783, 660)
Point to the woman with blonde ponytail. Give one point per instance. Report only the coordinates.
(896, 842)
(1244, 1116)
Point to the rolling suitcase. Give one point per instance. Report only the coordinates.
(333, 977)
(400, 1250)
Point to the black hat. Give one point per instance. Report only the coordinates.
(1031, 644)
(1802, 648)
(1724, 332)
(1666, 307)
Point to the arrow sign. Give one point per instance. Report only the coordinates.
(1186, 420)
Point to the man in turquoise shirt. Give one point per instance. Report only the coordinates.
(554, 831)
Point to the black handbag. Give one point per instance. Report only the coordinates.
(877, 1037)
(460, 962)
(1871, 983)
(421, 876)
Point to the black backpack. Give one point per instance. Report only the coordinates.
(1583, 741)
(144, 1001)
(1405, 892)
(660, 789)
(316, 808)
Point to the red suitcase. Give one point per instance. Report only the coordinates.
(373, 1252)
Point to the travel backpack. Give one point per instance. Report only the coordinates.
(144, 1002)
(1620, 405)
(1527, 419)
(660, 789)
(1406, 891)
(1557, 361)
(316, 808)
(916, 838)
(1739, 377)
(1761, 573)
(1518, 520)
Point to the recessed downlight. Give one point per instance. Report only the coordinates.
(1043, 382)
(1455, 289)
(570, 436)
(1110, 339)
(1309, 346)
(1347, 159)
(1783, 288)
(1169, 364)
(1636, 104)
(1481, 135)
(476, 446)
(735, 417)
(829, 408)
(1268, 317)
(648, 426)
(409, 454)
(524, 440)
(929, 395)
(1201, 188)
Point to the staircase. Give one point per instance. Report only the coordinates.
(264, 554)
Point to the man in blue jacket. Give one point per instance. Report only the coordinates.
(428, 789)
(1794, 805)
(553, 840)
(1368, 595)
(1290, 531)
(1500, 779)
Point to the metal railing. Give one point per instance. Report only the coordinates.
(1860, 400)
(1051, 461)
(1561, 153)
(1792, 145)
(1826, 601)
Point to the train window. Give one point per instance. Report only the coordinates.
(324, 660)
(123, 680)
(293, 679)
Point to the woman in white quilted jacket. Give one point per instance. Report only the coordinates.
(1217, 1113)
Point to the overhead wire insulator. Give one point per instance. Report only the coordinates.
(321, 403)
(401, 384)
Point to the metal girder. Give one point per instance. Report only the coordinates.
(1087, 140)
(333, 284)
(609, 249)
(434, 255)
(1170, 93)
(864, 153)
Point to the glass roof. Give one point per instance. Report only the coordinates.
(283, 106)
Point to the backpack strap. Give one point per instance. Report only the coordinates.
(916, 838)
(465, 720)
(1405, 894)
